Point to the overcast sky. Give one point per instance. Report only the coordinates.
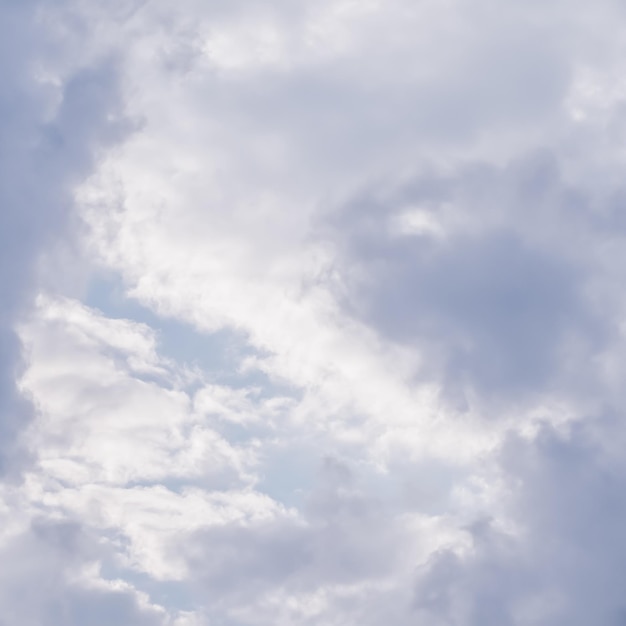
(313, 313)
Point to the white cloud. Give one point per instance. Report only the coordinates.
(102, 419)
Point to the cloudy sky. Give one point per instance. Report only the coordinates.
(313, 313)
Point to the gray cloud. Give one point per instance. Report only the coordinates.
(345, 538)
(564, 563)
(42, 154)
(495, 302)
(38, 587)
(51, 133)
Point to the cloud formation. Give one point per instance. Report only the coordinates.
(312, 312)
(56, 114)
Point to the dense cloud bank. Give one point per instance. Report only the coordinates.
(312, 313)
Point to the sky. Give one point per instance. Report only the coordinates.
(312, 313)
